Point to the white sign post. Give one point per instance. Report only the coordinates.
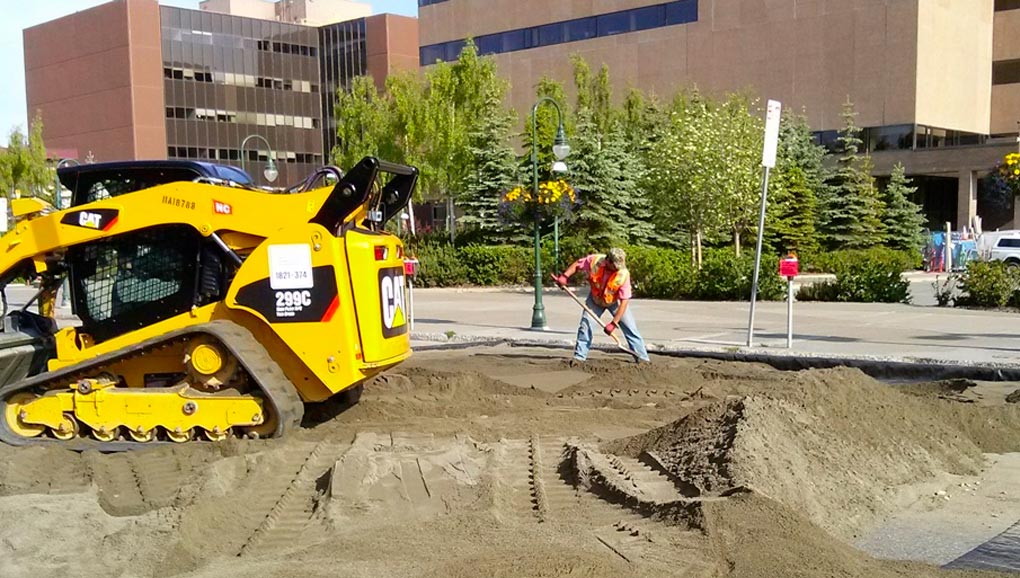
(768, 160)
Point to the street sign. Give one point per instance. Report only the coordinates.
(789, 267)
(768, 155)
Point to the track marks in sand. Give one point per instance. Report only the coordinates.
(120, 493)
(540, 482)
(293, 510)
(39, 471)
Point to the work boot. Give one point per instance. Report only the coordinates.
(575, 362)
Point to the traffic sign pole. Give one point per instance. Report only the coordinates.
(768, 160)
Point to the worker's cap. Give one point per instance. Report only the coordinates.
(617, 257)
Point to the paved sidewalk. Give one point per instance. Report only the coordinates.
(876, 332)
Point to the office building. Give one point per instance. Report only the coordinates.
(134, 80)
(936, 83)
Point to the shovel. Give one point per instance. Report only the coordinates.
(599, 321)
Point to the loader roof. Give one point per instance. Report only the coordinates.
(127, 176)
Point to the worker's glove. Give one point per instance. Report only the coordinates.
(610, 328)
(561, 280)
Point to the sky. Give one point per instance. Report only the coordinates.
(16, 15)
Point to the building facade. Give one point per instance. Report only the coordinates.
(134, 80)
(306, 12)
(935, 83)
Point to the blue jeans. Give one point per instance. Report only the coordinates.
(627, 324)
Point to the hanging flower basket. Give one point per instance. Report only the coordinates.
(555, 199)
(1008, 173)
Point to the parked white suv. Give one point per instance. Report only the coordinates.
(1001, 246)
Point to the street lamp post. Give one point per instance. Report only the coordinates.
(270, 173)
(560, 150)
(57, 200)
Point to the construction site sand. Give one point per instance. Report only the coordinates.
(684, 467)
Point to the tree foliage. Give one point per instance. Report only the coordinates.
(684, 171)
(904, 222)
(23, 167)
(792, 208)
(492, 166)
(851, 210)
(603, 167)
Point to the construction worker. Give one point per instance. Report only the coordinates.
(610, 290)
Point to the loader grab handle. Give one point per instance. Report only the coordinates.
(356, 189)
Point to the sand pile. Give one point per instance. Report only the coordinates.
(444, 469)
(831, 444)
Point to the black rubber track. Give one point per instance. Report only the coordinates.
(256, 361)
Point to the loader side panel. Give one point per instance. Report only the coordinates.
(377, 279)
(296, 282)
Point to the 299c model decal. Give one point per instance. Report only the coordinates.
(294, 305)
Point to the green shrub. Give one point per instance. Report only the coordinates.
(726, 277)
(820, 291)
(871, 276)
(831, 261)
(988, 284)
(496, 265)
(661, 273)
(439, 265)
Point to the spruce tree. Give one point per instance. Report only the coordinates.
(850, 217)
(493, 166)
(604, 169)
(793, 193)
(904, 221)
(603, 172)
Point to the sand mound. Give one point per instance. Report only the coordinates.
(827, 446)
(756, 537)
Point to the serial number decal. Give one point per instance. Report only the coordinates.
(178, 202)
(290, 267)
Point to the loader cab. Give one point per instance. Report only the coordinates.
(95, 182)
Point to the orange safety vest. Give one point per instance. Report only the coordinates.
(605, 284)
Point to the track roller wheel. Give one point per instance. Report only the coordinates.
(264, 429)
(12, 414)
(140, 435)
(68, 429)
(180, 436)
(105, 435)
(217, 434)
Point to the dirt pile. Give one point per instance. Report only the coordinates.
(446, 468)
(830, 444)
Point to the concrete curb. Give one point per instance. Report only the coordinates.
(883, 368)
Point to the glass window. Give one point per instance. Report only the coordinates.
(488, 44)
(681, 12)
(430, 54)
(889, 137)
(649, 17)
(615, 23)
(1006, 72)
(513, 40)
(551, 34)
(453, 50)
(580, 29)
